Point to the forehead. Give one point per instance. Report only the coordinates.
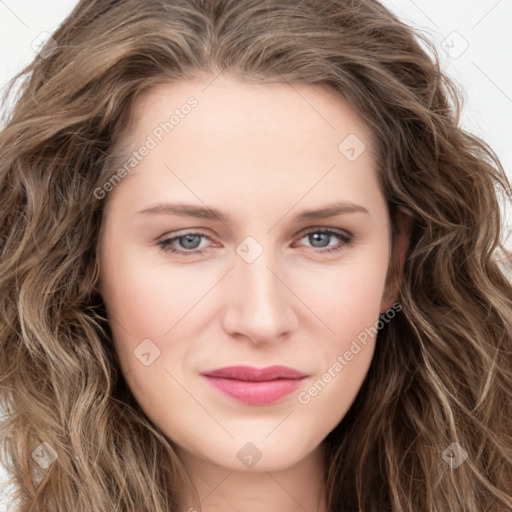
(247, 113)
(255, 139)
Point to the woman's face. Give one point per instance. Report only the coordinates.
(292, 274)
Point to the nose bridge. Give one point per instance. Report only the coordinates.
(261, 306)
(262, 286)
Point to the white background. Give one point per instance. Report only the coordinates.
(474, 36)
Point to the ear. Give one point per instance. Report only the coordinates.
(403, 223)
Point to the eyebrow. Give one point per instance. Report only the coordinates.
(189, 210)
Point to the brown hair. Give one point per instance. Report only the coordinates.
(442, 369)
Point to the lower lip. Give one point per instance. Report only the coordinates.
(255, 393)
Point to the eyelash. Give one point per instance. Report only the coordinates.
(347, 239)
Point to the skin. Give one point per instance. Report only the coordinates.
(261, 153)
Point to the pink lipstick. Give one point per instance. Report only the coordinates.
(255, 386)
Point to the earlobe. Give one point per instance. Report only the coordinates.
(404, 223)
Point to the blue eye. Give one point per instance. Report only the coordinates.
(322, 234)
(190, 241)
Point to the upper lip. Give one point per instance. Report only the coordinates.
(250, 373)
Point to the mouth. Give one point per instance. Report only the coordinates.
(255, 386)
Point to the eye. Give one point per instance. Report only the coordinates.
(188, 243)
(322, 235)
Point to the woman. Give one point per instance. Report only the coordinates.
(172, 338)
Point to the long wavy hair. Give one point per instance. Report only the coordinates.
(439, 387)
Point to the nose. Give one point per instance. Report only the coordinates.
(260, 304)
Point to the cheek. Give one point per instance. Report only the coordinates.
(346, 297)
(143, 304)
(347, 301)
(345, 351)
(326, 399)
(155, 302)
(143, 296)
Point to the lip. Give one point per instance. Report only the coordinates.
(255, 386)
